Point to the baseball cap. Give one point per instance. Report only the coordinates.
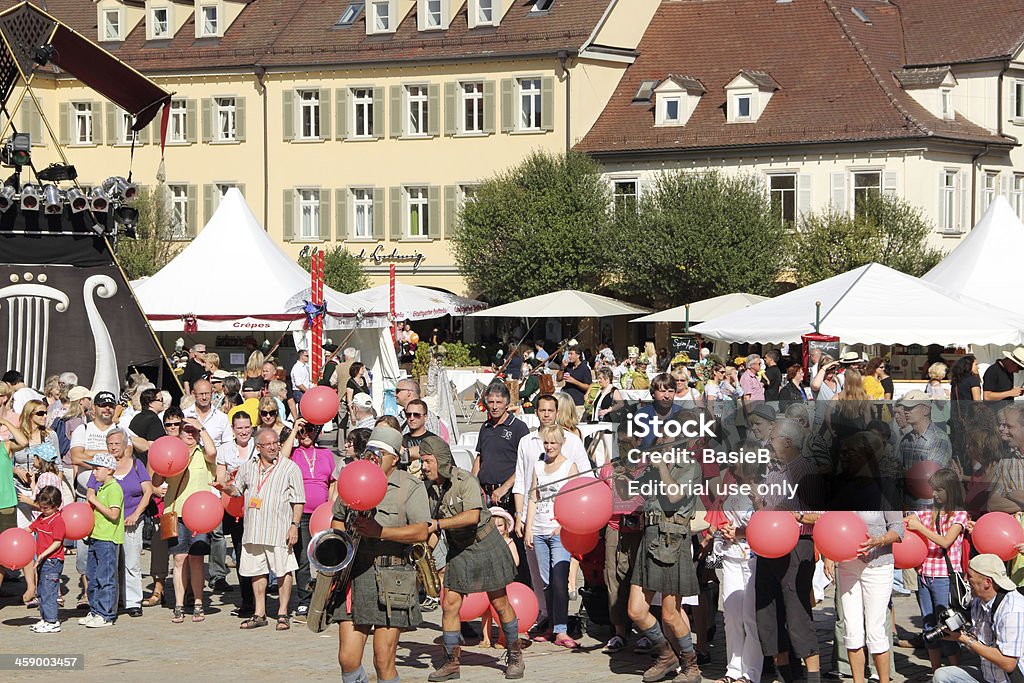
(252, 385)
(103, 460)
(219, 375)
(362, 400)
(78, 393)
(104, 398)
(991, 566)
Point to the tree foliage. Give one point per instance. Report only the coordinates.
(342, 270)
(694, 236)
(534, 229)
(153, 247)
(885, 229)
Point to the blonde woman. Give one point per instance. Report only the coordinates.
(254, 366)
(565, 416)
(212, 362)
(33, 425)
(852, 413)
(6, 411)
(936, 376)
(269, 416)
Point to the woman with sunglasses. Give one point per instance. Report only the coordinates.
(33, 426)
(270, 417)
(158, 559)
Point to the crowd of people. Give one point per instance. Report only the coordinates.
(664, 565)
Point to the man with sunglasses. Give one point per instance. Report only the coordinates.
(195, 368)
(415, 431)
(146, 427)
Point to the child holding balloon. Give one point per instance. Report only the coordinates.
(49, 531)
(503, 523)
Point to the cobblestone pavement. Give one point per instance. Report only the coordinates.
(151, 648)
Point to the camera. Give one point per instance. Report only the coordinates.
(948, 620)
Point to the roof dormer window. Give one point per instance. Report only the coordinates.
(110, 25)
(946, 102)
(748, 95)
(741, 104)
(432, 14)
(481, 13)
(930, 87)
(674, 99)
(209, 20)
(380, 18)
(159, 23)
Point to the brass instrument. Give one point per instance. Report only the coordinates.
(422, 556)
(331, 555)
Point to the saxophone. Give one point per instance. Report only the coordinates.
(421, 555)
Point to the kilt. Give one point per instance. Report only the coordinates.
(678, 578)
(485, 565)
(367, 609)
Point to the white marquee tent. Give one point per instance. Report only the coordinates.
(872, 304)
(416, 303)
(706, 309)
(566, 303)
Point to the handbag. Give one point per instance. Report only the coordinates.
(959, 590)
(169, 519)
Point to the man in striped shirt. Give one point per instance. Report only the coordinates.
(274, 497)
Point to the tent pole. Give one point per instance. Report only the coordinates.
(686, 325)
(817, 317)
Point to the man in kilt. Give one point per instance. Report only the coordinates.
(478, 557)
(384, 597)
(664, 563)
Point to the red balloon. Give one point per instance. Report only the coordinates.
(997, 533)
(233, 505)
(168, 456)
(78, 520)
(839, 534)
(202, 512)
(772, 533)
(578, 544)
(910, 552)
(584, 505)
(17, 548)
(524, 602)
(918, 477)
(319, 405)
(321, 518)
(474, 606)
(362, 485)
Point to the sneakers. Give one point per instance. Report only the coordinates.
(615, 644)
(99, 622)
(429, 604)
(301, 612)
(87, 618)
(45, 627)
(643, 646)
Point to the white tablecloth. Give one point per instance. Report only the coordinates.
(636, 394)
(465, 380)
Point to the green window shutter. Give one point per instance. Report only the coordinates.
(378, 112)
(396, 213)
(450, 109)
(65, 123)
(97, 129)
(27, 108)
(341, 213)
(191, 121)
(111, 112)
(324, 226)
(508, 111)
(192, 194)
(396, 111)
(378, 213)
(433, 109)
(240, 119)
(489, 107)
(209, 195)
(547, 103)
(434, 222)
(450, 206)
(288, 202)
(207, 107)
(288, 115)
(325, 115)
(37, 125)
(341, 113)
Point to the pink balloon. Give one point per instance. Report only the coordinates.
(78, 520)
(202, 512)
(772, 533)
(839, 534)
(918, 477)
(578, 544)
(997, 533)
(584, 505)
(17, 548)
(233, 505)
(362, 485)
(910, 552)
(168, 456)
(319, 405)
(524, 602)
(474, 606)
(321, 518)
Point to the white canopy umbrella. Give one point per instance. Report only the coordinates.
(705, 309)
(872, 304)
(416, 303)
(567, 303)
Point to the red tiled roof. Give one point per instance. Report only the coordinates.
(955, 31)
(834, 74)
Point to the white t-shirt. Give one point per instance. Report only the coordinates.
(216, 424)
(300, 376)
(92, 438)
(23, 396)
(227, 455)
(531, 451)
(544, 522)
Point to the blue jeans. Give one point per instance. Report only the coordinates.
(102, 573)
(932, 596)
(553, 562)
(49, 588)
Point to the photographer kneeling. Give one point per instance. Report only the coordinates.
(997, 613)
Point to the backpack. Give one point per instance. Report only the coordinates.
(59, 427)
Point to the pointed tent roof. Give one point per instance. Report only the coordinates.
(200, 282)
(872, 304)
(705, 309)
(416, 303)
(565, 303)
(986, 263)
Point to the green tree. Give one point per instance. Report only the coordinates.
(694, 236)
(885, 229)
(342, 270)
(153, 247)
(535, 228)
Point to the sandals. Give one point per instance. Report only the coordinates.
(566, 643)
(157, 598)
(179, 615)
(284, 623)
(729, 679)
(255, 621)
(198, 615)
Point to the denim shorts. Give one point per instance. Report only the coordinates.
(188, 542)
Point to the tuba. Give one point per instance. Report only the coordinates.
(421, 556)
(331, 554)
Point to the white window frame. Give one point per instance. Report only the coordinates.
(662, 102)
(362, 101)
(471, 121)
(1018, 100)
(380, 22)
(989, 185)
(417, 100)
(737, 113)
(1017, 195)
(307, 207)
(854, 189)
(619, 199)
(417, 201)
(350, 14)
(782, 192)
(222, 190)
(529, 121)
(153, 23)
(125, 134)
(106, 25)
(81, 122)
(177, 127)
(484, 13)
(467, 193)
(224, 119)
(178, 194)
(542, 5)
(204, 24)
(950, 188)
(307, 102)
(362, 213)
(433, 15)
(946, 103)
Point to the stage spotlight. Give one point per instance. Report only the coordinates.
(76, 200)
(126, 215)
(98, 200)
(118, 186)
(52, 203)
(30, 196)
(7, 195)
